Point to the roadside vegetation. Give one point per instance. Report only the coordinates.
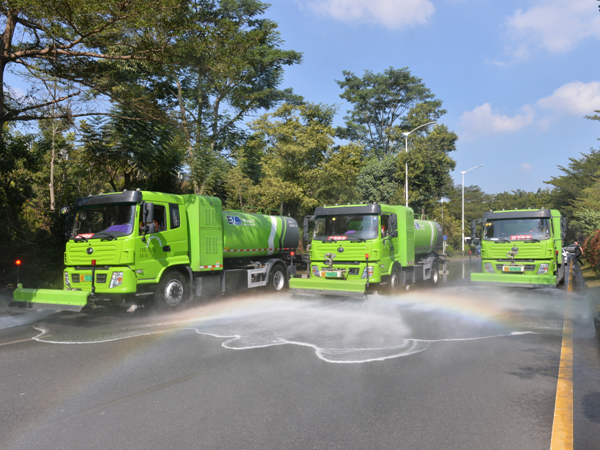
(188, 97)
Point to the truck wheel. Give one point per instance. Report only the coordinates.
(172, 290)
(276, 279)
(435, 274)
(394, 283)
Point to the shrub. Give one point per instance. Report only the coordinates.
(591, 250)
(449, 250)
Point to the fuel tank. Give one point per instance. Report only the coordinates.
(247, 235)
(428, 237)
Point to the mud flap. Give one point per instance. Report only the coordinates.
(53, 299)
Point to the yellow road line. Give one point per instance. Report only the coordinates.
(562, 428)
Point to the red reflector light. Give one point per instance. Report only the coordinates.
(292, 253)
(367, 255)
(557, 252)
(469, 252)
(93, 262)
(18, 262)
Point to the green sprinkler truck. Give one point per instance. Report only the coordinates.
(521, 248)
(133, 247)
(359, 249)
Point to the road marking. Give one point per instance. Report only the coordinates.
(562, 428)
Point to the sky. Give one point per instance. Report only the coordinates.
(516, 77)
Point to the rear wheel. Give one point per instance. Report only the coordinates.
(276, 279)
(172, 290)
(435, 274)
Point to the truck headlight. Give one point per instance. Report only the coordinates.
(543, 269)
(364, 274)
(315, 271)
(116, 280)
(67, 282)
(488, 267)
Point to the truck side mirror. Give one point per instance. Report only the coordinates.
(306, 220)
(148, 213)
(393, 225)
(563, 228)
(474, 228)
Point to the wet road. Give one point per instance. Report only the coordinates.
(456, 367)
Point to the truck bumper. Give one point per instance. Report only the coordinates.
(52, 299)
(128, 283)
(511, 279)
(324, 286)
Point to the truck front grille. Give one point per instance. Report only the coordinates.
(75, 278)
(101, 278)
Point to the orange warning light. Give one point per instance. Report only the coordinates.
(18, 262)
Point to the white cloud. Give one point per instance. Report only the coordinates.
(553, 25)
(390, 13)
(482, 120)
(526, 167)
(572, 99)
(575, 98)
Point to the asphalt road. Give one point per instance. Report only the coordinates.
(449, 368)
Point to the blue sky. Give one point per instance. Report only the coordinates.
(516, 77)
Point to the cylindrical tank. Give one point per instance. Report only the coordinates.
(251, 235)
(428, 237)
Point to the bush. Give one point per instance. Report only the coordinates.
(591, 250)
(449, 250)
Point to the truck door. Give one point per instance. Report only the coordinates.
(153, 251)
(387, 246)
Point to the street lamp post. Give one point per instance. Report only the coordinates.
(406, 165)
(463, 205)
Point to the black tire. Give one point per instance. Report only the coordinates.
(172, 290)
(277, 279)
(435, 274)
(395, 282)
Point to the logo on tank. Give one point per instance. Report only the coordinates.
(417, 226)
(234, 220)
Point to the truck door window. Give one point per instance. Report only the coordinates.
(160, 221)
(174, 212)
(385, 225)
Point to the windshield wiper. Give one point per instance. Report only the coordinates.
(501, 240)
(531, 240)
(80, 239)
(105, 236)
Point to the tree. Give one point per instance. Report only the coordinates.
(300, 166)
(580, 175)
(67, 51)
(383, 106)
(228, 64)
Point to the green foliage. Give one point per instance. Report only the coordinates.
(300, 166)
(450, 250)
(587, 220)
(379, 181)
(384, 105)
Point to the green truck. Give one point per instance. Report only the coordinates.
(521, 248)
(359, 249)
(135, 247)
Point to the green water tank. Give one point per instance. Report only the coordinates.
(251, 235)
(428, 237)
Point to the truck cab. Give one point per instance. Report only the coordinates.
(521, 248)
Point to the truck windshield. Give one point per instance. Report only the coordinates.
(104, 221)
(517, 230)
(341, 228)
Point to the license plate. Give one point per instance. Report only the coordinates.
(332, 274)
(85, 278)
(513, 268)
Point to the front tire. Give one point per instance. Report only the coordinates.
(172, 290)
(394, 283)
(277, 281)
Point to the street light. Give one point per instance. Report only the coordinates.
(406, 150)
(463, 205)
